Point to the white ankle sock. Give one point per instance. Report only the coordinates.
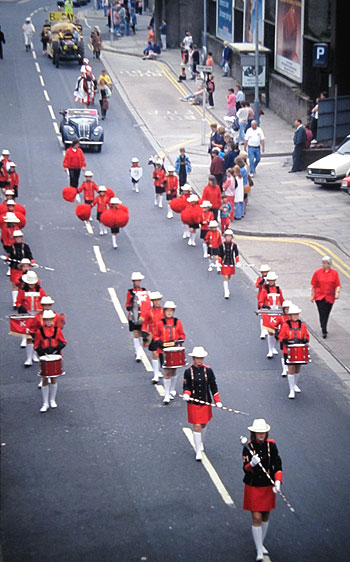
(257, 536)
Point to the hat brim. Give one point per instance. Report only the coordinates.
(259, 429)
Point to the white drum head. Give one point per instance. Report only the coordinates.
(179, 348)
(51, 357)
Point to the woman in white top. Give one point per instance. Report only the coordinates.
(239, 194)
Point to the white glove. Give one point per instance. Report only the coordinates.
(218, 404)
(186, 397)
(276, 487)
(238, 264)
(34, 265)
(255, 460)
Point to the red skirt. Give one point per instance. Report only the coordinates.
(259, 498)
(15, 275)
(228, 270)
(199, 414)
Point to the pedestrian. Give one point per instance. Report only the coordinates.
(18, 251)
(259, 492)
(239, 96)
(28, 301)
(217, 166)
(107, 79)
(45, 35)
(195, 60)
(225, 212)
(187, 42)
(150, 322)
(170, 333)
(255, 142)
(2, 42)
(127, 22)
(229, 255)
(105, 4)
(200, 384)
(225, 58)
(101, 202)
(215, 138)
(139, 7)
(171, 185)
(136, 172)
(325, 289)
(13, 179)
(206, 217)
(230, 155)
(242, 117)
(133, 21)
(229, 188)
(308, 134)
(212, 193)
(150, 34)
(116, 22)
(293, 332)
(231, 103)
(133, 306)
(210, 90)
(250, 115)
(182, 167)
(28, 32)
(89, 188)
(314, 116)
(213, 241)
(241, 161)
(96, 42)
(105, 94)
(239, 193)
(49, 340)
(163, 33)
(260, 285)
(299, 140)
(159, 179)
(74, 162)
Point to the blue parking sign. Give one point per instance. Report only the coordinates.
(320, 55)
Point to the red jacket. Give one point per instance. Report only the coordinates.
(102, 203)
(213, 239)
(7, 234)
(14, 181)
(89, 188)
(74, 158)
(28, 302)
(4, 175)
(38, 321)
(207, 216)
(171, 184)
(151, 319)
(293, 332)
(49, 339)
(260, 285)
(159, 177)
(265, 299)
(325, 284)
(212, 194)
(169, 330)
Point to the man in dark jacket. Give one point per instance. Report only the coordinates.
(299, 143)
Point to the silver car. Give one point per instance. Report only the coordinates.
(332, 168)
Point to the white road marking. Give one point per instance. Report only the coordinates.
(215, 478)
(46, 95)
(42, 81)
(53, 116)
(37, 66)
(146, 362)
(118, 307)
(34, 55)
(55, 126)
(89, 227)
(160, 389)
(98, 256)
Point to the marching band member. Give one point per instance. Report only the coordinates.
(278, 323)
(293, 331)
(29, 301)
(186, 193)
(13, 179)
(170, 332)
(150, 322)
(135, 174)
(133, 307)
(89, 187)
(171, 187)
(193, 202)
(114, 203)
(18, 251)
(259, 493)
(7, 229)
(4, 176)
(101, 201)
(229, 255)
(200, 384)
(49, 340)
(213, 241)
(38, 322)
(260, 284)
(159, 179)
(207, 216)
(271, 297)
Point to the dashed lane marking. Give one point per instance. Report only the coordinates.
(37, 66)
(34, 55)
(99, 259)
(215, 478)
(46, 95)
(42, 81)
(52, 113)
(146, 362)
(118, 307)
(57, 130)
(160, 389)
(89, 227)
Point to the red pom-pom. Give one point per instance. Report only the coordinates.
(191, 215)
(110, 193)
(115, 218)
(178, 204)
(83, 211)
(69, 193)
(20, 209)
(22, 220)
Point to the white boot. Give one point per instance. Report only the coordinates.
(29, 354)
(101, 229)
(257, 536)
(204, 431)
(105, 230)
(205, 250)
(173, 387)
(291, 382)
(211, 266)
(53, 392)
(137, 187)
(296, 388)
(23, 341)
(186, 233)
(170, 214)
(284, 368)
(45, 394)
(14, 298)
(264, 526)
(192, 239)
(167, 384)
(155, 365)
(218, 266)
(156, 200)
(197, 438)
(35, 357)
(160, 201)
(138, 350)
(263, 332)
(226, 290)
(114, 241)
(8, 273)
(271, 345)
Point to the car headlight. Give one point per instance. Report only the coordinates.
(332, 172)
(98, 131)
(309, 171)
(71, 130)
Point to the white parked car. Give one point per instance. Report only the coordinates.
(332, 168)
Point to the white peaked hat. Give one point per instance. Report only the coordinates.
(213, 224)
(228, 232)
(170, 304)
(206, 204)
(134, 160)
(5, 152)
(102, 188)
(11, 217)
(48, 314)
(264, 267)
(24, 261)
(47, 300)
(115, 201)
(12, 165)
(171, 169)
(271, 276)
(286, 304)
(88, 174)
(186, 187)
(30, 277)
(17, 233)
(192, 198)
(137, 276)
(10, 202)
(294, 309)
(155, 295)
(9, 192)
(198, 351)
(259, 426)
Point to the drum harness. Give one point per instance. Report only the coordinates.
(170, 328)
(295, 339)
(45, 337)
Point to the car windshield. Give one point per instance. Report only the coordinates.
(81, 112)
(344, 147)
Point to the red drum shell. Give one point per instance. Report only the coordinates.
(298, 353)
(174, 357)
(51, 365)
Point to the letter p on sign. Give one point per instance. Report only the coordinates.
(320, 55)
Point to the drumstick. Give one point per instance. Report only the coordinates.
(245, 443)
(6, 258)
(213, 405)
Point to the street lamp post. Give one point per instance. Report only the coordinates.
(204, 53)
(256, 93)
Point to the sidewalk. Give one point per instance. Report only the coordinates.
(290, 222)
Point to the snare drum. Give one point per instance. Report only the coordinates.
(174, 357)
(51, 365)
(298, 353)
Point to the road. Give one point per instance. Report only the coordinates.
(110, 474)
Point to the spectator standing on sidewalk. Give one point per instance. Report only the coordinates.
(217, 166)
(299, 140)
(240, 97)
(225, 59)
(231, 103)
(195, 61)
(239, 194)
(133, 21)
(211, 90)
(163, 32)
(325, 289)
(210, 60)
(231, 154)
(255, 141)
(183, 167)
(229, 188)
(250, 115)
(308, 134)
(215, 138)
(242, 116)
(105, 7)
(187, 42)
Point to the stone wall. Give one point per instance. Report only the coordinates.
(287, 100)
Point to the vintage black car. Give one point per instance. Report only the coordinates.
(66, 43)
(82, 124)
